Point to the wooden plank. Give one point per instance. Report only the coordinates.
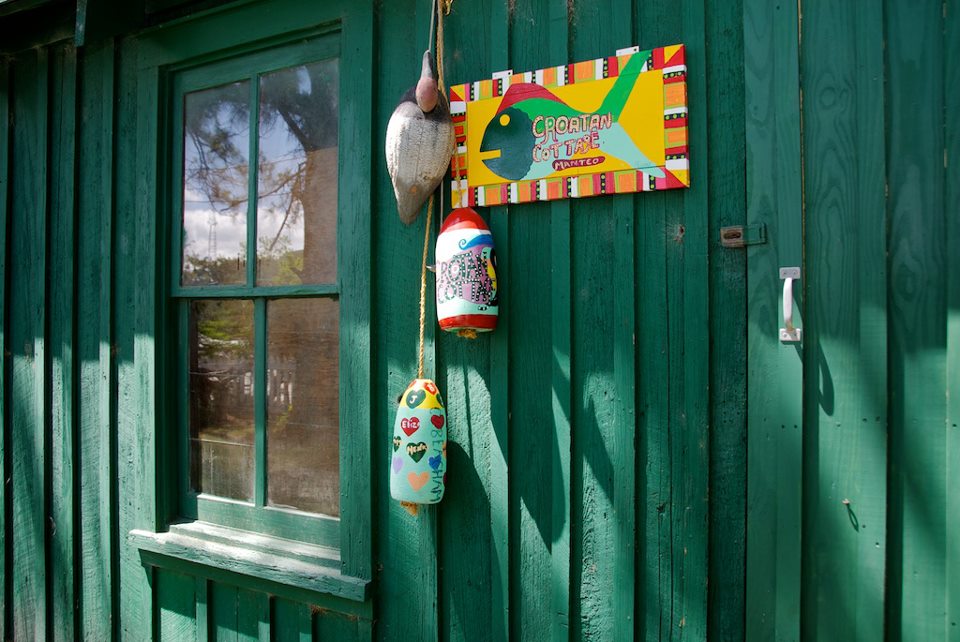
(728, 459)
(565, 548)
(535, 544)
(951, 78)
(331, 627)
(290, 621)
(499, 442)
(845, 456)
(602, 395)
(656, 24)
(6, 133)
(918, 536)
(223, 612)
(27, 343)
(406, 554)
(136, 336)
(691, 442)
(202, 609)
(466, 529)
(62, 364)
(774, 381)
(176, 606)
(303, 573)
(253, 614)
(97, 470)
(355, 256)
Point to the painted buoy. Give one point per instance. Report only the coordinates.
(419, 460)
(466, 274)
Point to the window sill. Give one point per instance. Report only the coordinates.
(282, 563)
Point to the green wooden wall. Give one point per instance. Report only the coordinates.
(598, 455)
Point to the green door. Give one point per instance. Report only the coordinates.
(853, 446)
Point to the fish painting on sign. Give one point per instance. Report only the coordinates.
(467, 300)
(604, 126)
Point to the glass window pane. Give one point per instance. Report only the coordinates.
(220, 335)
(303, 426)
(216, 156)
(297, 175)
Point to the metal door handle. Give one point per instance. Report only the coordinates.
(789, 334)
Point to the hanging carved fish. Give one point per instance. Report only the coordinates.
(419, 142)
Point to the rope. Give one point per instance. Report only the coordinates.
(441, 8)
(423, 286)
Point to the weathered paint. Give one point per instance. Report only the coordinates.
(597, 438)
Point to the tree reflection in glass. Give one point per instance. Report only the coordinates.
(216, 164)
(221, 397)
(297, 175)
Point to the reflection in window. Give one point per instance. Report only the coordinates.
(220, 335)
(215, 177)
(303, 427)
(297, 175)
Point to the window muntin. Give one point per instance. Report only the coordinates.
(260, 244)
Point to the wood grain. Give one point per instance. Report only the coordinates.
(917, 303)
(845, 400)
(61, 328)
(774, 380)
(6, 134)
(28, 455)
(94, 322)
(728, 367)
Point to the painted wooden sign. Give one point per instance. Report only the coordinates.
(605, 126)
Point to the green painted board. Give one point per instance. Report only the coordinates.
(951, 78)
(917, 256)
(290, 621)
(95, 438)
(728, 461)
(691, 239)
(845, 439)
(27, 279)
(5, 144)
(406, 545)
(176, 606)
(135, 337)
(466, 531)
(61, 328)
(774, 380)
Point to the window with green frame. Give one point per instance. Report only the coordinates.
(256, 289)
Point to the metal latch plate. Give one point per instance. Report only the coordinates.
(743, 235)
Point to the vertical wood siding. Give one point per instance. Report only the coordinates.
(598, 439)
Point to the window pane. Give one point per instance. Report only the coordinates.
(303, 427)
(221, 398)
(216, 156)
(297, 175)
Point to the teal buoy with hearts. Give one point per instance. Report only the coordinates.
(418, 454)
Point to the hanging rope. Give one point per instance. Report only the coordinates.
(423, 286)
(441, 8)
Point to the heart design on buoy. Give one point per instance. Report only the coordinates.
(415, 398)
(409, 426)
(416, 451)
(437, 420)
(397, 464)
(418, 481)
(434, 462)
(396, 443)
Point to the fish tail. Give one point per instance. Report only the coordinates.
(616, 98)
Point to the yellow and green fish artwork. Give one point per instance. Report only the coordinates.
(605, 126)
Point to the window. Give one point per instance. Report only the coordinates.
(256, 290)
